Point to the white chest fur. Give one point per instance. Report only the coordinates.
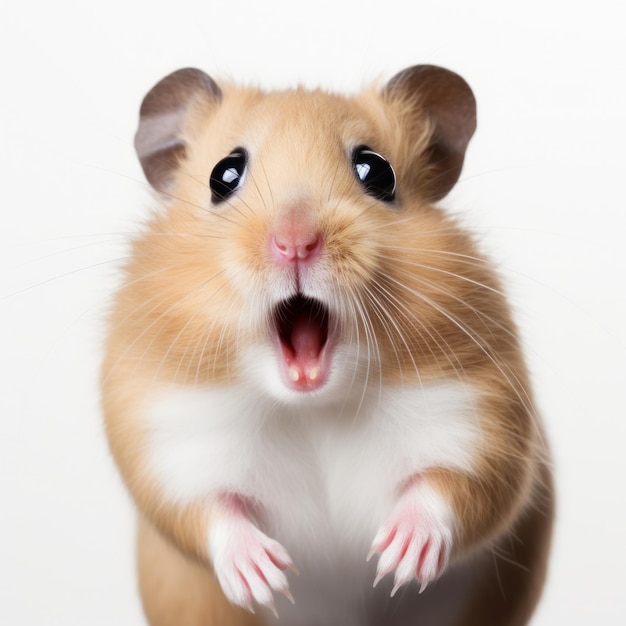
(327, 478)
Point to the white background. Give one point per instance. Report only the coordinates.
(543, 187)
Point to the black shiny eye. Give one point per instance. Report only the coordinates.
(375, 173)
(228, 175)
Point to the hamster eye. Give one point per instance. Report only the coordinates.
(375, 173)
(227, 176)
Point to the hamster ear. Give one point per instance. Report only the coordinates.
(450, 104)
(159, 140)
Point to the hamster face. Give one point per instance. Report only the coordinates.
(295, 271)
(301, 273)
(305, 243)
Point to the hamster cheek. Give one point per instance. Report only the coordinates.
(416, 540)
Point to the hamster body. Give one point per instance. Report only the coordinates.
(311, 367)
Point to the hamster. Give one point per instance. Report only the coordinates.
(313, 386)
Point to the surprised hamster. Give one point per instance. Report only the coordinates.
(313, 386)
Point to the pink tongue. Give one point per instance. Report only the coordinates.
(306, 339)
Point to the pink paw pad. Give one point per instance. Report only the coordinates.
(416, 540)
(248, 564)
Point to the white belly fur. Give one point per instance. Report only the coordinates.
(327, 477)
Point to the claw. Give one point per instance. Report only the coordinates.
(292, 568)
(249, 565)
(415, 541)
(288, 595)
(271, 606)
(379, 577)
(396, 587)
(248, 606)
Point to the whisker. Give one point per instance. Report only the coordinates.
(510, 377)
(269, 186)
(357, 338)
(475, 262)
(206, 332)
(372, 346)
(477, 312)
(63, 275)
(386, 321)
(402, 307)
(121, 237)
(155, 322)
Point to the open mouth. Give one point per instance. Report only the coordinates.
(302, 327)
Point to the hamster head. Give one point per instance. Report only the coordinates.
(296, 246)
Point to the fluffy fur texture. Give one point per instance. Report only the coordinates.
(419, 444)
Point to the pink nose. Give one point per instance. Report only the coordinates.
(291, 245)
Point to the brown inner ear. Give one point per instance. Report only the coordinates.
(159, 142)
(449, 102)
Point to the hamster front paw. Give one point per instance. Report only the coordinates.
(416, 540)
(248, 564)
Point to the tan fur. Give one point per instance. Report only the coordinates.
(185, 308)
(178, 590)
